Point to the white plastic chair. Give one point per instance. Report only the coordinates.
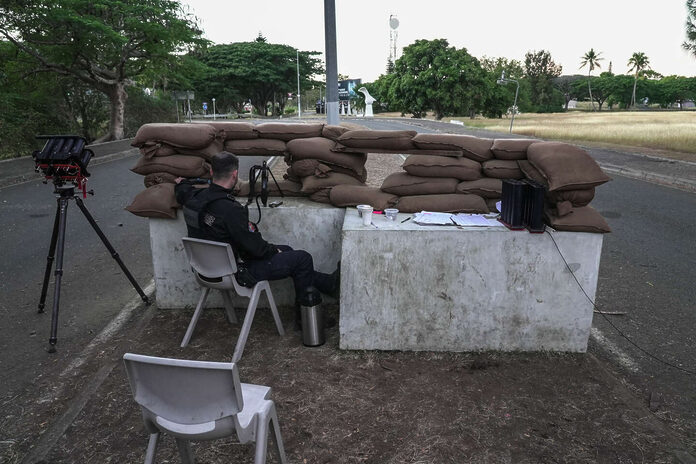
(200, 400)
(214, 266)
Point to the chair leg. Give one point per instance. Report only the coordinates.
(229, 307)
(196, 316)
(152, 448)
(261, 439)
(185, 451)
(274, 309)
(246, 326)
(276, 434)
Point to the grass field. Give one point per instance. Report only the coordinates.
(673, 131)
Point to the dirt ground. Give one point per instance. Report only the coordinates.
(366, 407)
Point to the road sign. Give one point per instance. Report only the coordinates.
(205, 106)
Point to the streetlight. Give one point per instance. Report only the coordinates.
(213, 109)
(503, 81)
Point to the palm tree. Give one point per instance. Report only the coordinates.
(638, 62)
(591, 60)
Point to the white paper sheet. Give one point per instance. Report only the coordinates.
(474, 220)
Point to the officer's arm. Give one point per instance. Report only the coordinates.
(183, 192)
(237, 223)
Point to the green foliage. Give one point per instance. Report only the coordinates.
(500, 98)
(539, 70)
(431, 75)
(256, 71)
(690, 42)
(105, 44)
(142, 109)
(570, 87)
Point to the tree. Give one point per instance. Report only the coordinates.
(103, 44)
(591, 60)
(690, 42)
(539, 70)
(432, 75)
(501, 97)
(568, 86)
(638, 62)
(258, 71)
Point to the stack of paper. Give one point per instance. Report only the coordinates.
(432, 219)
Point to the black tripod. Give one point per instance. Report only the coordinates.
(64, 195)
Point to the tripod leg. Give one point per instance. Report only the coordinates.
(114, 255)
(62, 220)
(49, 260)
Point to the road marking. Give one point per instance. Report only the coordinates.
(105, 335)
(624, 359)
(109, 331)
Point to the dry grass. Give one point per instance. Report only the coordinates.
(660, 130)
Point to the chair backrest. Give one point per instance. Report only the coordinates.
(183, 391)
(210, 259)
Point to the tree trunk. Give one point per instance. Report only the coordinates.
(117, 98)
(589, 87)
(633, 97)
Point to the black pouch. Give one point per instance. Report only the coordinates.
(244, 277)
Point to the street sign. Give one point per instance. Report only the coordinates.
(182, 95)
(205, 106)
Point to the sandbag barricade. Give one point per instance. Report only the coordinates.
(444, 172)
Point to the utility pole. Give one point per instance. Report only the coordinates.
(331, 62)
(299, 99)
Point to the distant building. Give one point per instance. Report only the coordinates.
(572, 104)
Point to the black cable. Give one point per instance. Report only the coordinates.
(667, 363)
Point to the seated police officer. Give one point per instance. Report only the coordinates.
(214, 214)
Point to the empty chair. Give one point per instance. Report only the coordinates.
(200, 400)
(214, 265)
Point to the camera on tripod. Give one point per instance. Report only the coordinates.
(63, 160)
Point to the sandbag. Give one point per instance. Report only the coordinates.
(150, 149)
(159, 178)
(255, 147)
(565, 167)
(321, 149)
(178, 165)
(333, 132)
(322, 195)
(396, 140)
(447, 203)
(353, 195)
(583, 219)
(502, 169)
(532, 173)
(289, 188)
(312, 184)
(442, 166)
(235, 130)
(575, 197)
(288, 131)
(402, 183)
(163, 149)
(157, 201)
(475, 148)
(511, 149)
(176, 135)
(485, 187)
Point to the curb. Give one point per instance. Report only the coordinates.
(15, 180)
(660, 179)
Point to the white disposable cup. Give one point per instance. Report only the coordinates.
(390, 214)
(367, 216)
(361, 208)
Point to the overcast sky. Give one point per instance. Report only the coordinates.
(617, 28)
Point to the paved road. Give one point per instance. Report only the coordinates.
(94, 289)
(647, 271)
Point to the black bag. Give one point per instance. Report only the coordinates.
(244, 277)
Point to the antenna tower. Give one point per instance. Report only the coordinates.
(393, 36)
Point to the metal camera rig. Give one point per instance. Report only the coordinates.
(63, 160)
(261, 171)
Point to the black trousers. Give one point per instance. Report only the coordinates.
(297, 264)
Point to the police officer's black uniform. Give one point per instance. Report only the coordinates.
(214, 214)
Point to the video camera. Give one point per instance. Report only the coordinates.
(64, 159)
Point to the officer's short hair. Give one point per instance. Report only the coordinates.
(223, 164)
